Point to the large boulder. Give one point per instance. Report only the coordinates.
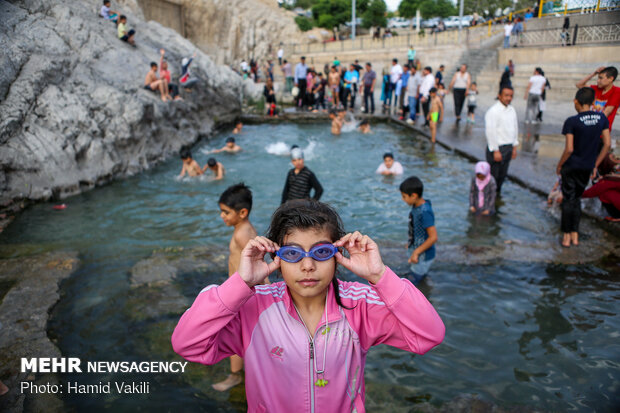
(73, 111)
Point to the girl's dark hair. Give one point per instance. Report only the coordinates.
(306, 214)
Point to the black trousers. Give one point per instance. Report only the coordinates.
(459, 99)
(574, 182)
(499, 170)
(345, 97)
(369, 100)
(425, 108)
(301, 98)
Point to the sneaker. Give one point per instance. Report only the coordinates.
(410, 121)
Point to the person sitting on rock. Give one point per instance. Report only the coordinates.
(108, 14)
(164, 74)
(153, 83)
(123, 34)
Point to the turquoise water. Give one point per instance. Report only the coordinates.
(535, 335)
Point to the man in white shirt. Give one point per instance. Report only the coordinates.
(396, 71)
(244, 66)
(390, 166)
(428, 82)
(532, 94)
(502, 132)
(280, 55)
(413, 90)
(507, 30)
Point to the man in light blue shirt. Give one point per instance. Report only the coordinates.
(301, 71)
(350, 78)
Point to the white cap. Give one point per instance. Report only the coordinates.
(297, 154)
(184, 61)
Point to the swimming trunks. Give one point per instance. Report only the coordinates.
(148, 87)
(434, 116)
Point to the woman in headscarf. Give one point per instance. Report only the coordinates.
(483, 191)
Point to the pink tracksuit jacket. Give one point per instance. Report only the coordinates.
(262, 326)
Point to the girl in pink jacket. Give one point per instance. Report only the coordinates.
(305, 340)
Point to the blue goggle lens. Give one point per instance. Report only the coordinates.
(293, 254)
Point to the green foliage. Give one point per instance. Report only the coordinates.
(375, 15)
(305, 4)
(390, 14)
(330, 13)
(407, 8)
(429, 8)
(304, 23)
(437, 8)
(480, 6)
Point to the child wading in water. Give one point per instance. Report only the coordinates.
(471, 102)
(235, 206)
(190, 166)
(587, 144)
(483, 190)
(305, 339)
(434, 113)
(422, 231)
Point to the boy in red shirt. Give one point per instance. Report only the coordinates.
(606, 95)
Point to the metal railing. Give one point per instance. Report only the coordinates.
(604, 33)
(470, 36)
(554, 7)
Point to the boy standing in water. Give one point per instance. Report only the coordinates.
(238, 128)
(436, 109)
(422, 231)
(587, 143)
(235, 206)
(190, 166)
(300, 180)
(337, 121)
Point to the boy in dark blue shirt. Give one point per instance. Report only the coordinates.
(422, 231)
(582, 155)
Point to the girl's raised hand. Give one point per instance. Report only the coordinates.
(252, 266)
(365, 259)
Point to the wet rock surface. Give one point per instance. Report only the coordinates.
(73, 110)
(29, 288)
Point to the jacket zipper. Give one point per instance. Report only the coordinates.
(311, 371)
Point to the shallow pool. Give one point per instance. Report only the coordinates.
(522, 331)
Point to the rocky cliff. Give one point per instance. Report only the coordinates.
(73, 111)
(230, 30)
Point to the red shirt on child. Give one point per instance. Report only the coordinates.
(611, 98)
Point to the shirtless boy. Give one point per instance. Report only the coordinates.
(337, 122)
(334, 83)
(153, 83)
(238, 128)
(435, 112)
(230, 146)
(190, 166)
(216, 167)
(235, 206)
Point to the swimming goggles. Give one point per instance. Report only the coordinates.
(321, 252)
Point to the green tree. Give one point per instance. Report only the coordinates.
(305, 4)
(303, 23)
(375, 15)
(437, 8)
(331, 13)
(407, 8)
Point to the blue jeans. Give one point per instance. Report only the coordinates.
(413, 103)
(506, 42)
